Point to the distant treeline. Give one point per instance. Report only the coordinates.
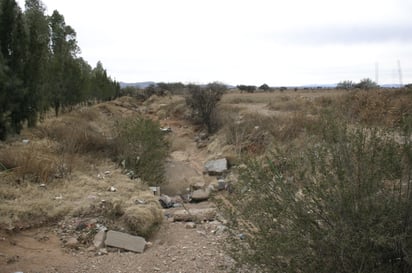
(40, 68)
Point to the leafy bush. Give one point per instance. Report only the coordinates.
(142, 146)
(203, 101)
(343, 205)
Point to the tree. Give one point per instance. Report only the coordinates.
(347, 85)
(64, 72)
(36, 73)
(264, 87)
(247, 88)
(13, 51)
(203, 101)
(101, 85)
(366, 84)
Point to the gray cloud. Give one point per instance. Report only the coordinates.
(349, 34)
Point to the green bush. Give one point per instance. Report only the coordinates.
(342, 205)
(202, 100)
(143, 149)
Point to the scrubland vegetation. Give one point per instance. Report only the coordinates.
(323, 176)
(326, 184)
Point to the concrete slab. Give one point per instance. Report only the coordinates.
(216, 167)
(125, 241)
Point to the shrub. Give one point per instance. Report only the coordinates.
(203, 101)
(141, 144)
(343, 205)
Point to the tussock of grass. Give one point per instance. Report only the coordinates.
(143, 219)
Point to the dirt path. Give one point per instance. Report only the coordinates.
(176, 247)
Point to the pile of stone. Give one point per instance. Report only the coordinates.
(78, 233)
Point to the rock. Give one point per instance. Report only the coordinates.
(197, 183)
(112, 189)
(72, 243)
(125, 241)
(103, 251)
(221, 184)
(190, 225)
(99, 239)
(165, 201)
(166, 129)
(91, 249)
(60, 197)
(193, 215)
(216, 167)
(220, 229)
(140, 202)
(203, 136)
(200, 195)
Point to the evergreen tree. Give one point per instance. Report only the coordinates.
(13, 44)
(36, 72)
(63, 70)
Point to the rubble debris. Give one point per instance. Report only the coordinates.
(165, 201)
(112, 189)
(166, 129)
(99, 238)
(216, 167)
(125, 241)
(194, 215)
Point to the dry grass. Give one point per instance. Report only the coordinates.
(380, 107)
(34, 162)
(255, 122)
(61, 172)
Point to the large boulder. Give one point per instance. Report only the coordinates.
(200, 195)
(216, 167)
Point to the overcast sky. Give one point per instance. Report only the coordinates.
(291, 42)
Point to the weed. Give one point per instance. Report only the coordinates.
(141, 145)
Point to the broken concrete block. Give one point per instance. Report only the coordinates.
(125, 241)
(193, 215)
(99, 239)
(216, 167)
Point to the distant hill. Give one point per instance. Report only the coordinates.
(140, 85)
(143, 85)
